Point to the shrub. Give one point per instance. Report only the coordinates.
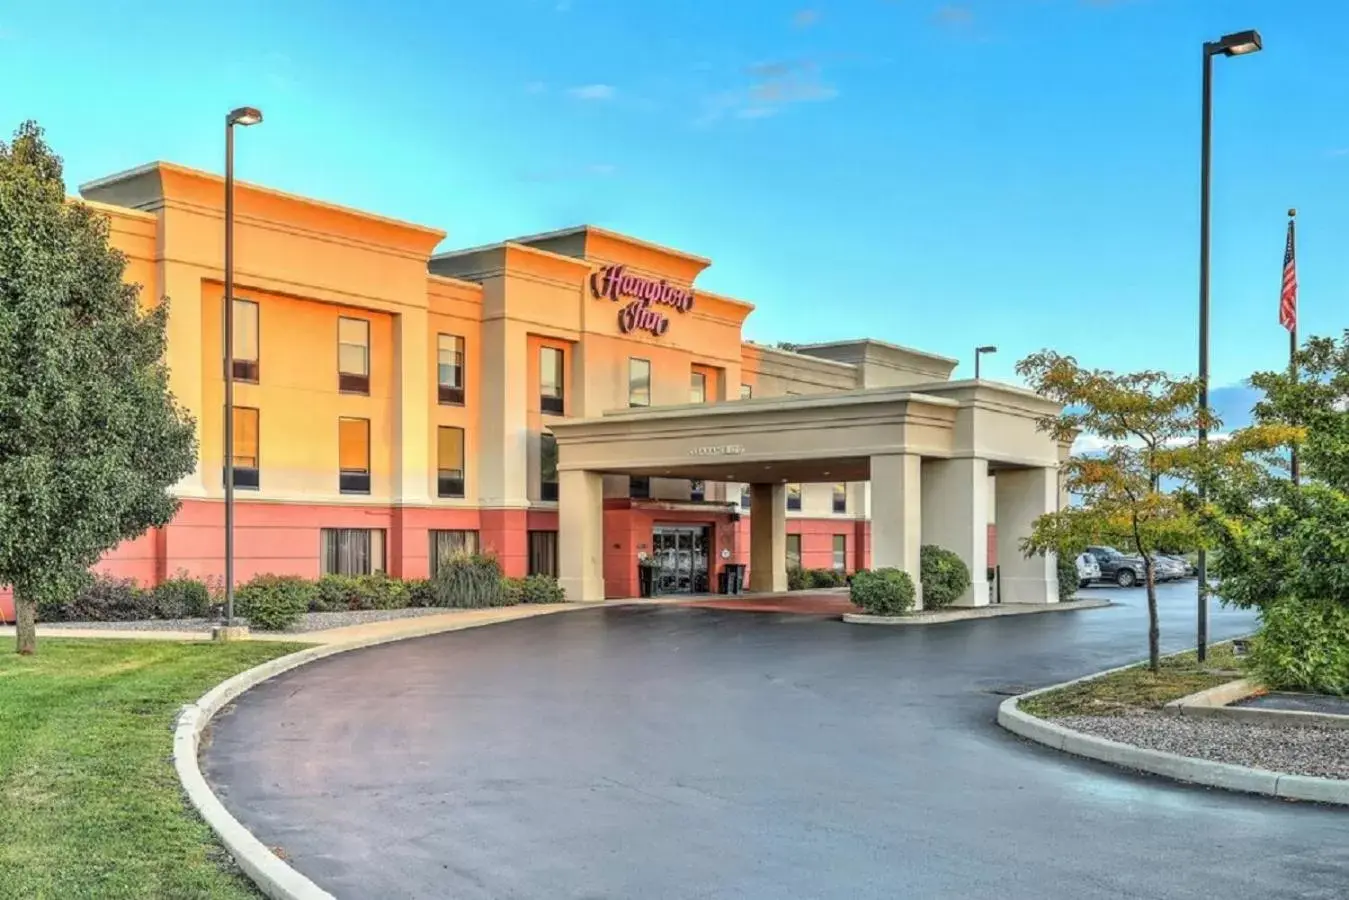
(274, 602)
(541, 589)
(181, 597)
(468, 581)
(944, 576)
(102, 598)
(419, 592)
(349, 593)
(825, 578)
(1303, 645)
(1067, 576)
(797, 578)
(883, 592)
(513, 591)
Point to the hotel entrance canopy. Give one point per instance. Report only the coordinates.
(927, 451)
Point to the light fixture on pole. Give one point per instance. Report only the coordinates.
(245, 116)
(1237, 44)
(978, 352)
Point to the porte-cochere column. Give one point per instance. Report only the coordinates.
(955, 516)
(896, 516)
(1023, 495)
(768, 537)
(580, 534)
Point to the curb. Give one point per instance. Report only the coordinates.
(1181, 768)
(273, 877)
(1214, 703)
(967, 614)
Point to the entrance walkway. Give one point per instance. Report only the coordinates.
(803, 603)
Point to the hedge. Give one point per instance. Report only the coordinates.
(944, 575)
(276, 602)
(883, 592)
(799, 579)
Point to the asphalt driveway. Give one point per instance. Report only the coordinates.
(669, 752)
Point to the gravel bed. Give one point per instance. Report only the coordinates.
(310, 621)
(1297, 750)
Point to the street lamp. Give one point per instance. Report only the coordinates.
(245, 116)
(978, 352)
(1237, 44)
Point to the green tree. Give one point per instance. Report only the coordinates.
(1146, 420)
(90, 437)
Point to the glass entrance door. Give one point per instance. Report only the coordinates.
(681, 555)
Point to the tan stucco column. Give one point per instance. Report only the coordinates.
(412, 464)
(1022, 496)
(897, 516)
(580, 534)
(768, 537)
(955, 516)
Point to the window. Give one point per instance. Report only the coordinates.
(745, 497)
(245, 453)
(352, 551)
(547, 467)
(450, 369)
(353, 356)
(445, 544)
(639, 382)
(449, 461)
(793, 551)
(244, 356)
(550, 380)
(543, 553)
(794, 496)
(698, 388)
(353, 455)
(746, 392)
(697, 491)
(639, 488)
(840, 498)
(840, 552)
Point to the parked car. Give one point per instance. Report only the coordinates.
(1187, 569)
(1165, 568)
(1125, 571)
(1087, 570)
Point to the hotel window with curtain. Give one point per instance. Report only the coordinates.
(450, 369)
(445, 544)
(698, 387)
(697, 491)
(245, 455)
(745, 498)
(794, 551)
(352, 551)
(353, 455)
(794, 497)
(543, 553)
(639, 488)
(551, 383)
(353, 356)
(547, 468)
(840, 498)
(244, 356)
(840, 552)
(449, 461)
(639, 382)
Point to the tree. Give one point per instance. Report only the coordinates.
(1145, 419)
(90, 437)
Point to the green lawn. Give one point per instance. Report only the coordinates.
(1138, 688)
(90, 805)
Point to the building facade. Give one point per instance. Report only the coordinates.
(393, 404)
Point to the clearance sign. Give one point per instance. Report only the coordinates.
(644, 296)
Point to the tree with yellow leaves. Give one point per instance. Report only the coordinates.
(1139, 490)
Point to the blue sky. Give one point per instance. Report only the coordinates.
(941, 175)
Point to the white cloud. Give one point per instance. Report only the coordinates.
(1093, 443)
(593, 92)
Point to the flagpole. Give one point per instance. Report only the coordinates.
(1293, 468)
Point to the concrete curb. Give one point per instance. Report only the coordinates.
(272, 876)
(966, 614)
(1182, 768)
(1214, 704)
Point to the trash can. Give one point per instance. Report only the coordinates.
(725, 581)
(737, 578)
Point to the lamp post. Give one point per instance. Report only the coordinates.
(1237, 44)
(245, 116)
(978, 352)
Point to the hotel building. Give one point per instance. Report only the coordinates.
(570, 401)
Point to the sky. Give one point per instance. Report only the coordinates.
(1022, 173)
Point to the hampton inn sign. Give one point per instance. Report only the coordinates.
(617, 283)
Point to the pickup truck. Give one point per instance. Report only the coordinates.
(1125, 571)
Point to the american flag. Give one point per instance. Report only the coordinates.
(1288, 296)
